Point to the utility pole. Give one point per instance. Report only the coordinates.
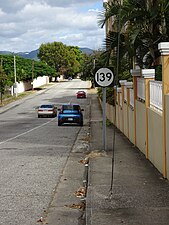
(32, 73)
(15, 76)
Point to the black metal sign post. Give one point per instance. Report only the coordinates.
(103, 78)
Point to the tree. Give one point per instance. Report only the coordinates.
(3, 81)
(143, 24)
(64, 59)
(24, 69)
(90, 62)
(75, 60)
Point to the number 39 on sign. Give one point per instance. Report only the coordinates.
(104, 77)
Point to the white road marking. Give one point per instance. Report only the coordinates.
(19, 135)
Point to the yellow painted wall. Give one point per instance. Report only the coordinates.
(155, 130)
(117, 116)
(141, 126)
(125, 120)
(110, 113)
(120, 115)
(131, 125)
(167, 134)
(155, 139)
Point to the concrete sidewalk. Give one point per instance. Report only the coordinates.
(139, 194)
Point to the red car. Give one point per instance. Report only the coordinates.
(81, 94)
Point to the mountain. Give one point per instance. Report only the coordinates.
(29, 55)
(88, 51)
(6, 53)
(26, 55)
(33, 54)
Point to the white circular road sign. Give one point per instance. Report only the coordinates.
(104, 77)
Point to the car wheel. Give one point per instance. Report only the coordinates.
(39, 116)
(81, 123)
(59, 123)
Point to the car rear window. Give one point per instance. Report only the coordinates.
(46, 106)
(70, 109)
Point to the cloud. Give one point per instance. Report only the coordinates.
(27, 24)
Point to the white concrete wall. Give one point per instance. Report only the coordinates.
(40, 81)
(155, 139)
(25, 86)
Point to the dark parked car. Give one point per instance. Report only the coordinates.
(47, 110)
(81, 94)
(70, 114)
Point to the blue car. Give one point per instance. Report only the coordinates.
(70, 114)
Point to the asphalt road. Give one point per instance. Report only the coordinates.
(33, 153)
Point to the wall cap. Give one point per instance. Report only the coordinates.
(118, 89)
(148, 73)
(163, 47)
(129, 84)
(122, 82)
(135, 72)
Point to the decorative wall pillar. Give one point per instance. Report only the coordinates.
(164, 49)
(122, 83)
(147, 74)
(135, 73)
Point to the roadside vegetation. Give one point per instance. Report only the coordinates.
(55, 59)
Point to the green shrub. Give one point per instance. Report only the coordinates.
(109, 95)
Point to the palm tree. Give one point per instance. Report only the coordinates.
(143, 24)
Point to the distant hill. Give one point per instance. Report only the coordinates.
(33, 54)
(88, 51)
(6, 53)
(26, 55)
(29, 55)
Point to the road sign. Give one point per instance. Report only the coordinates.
(104, 77)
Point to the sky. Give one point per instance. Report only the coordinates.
(26, 24)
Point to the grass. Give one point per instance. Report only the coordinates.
(108, 123)
(6, 99)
